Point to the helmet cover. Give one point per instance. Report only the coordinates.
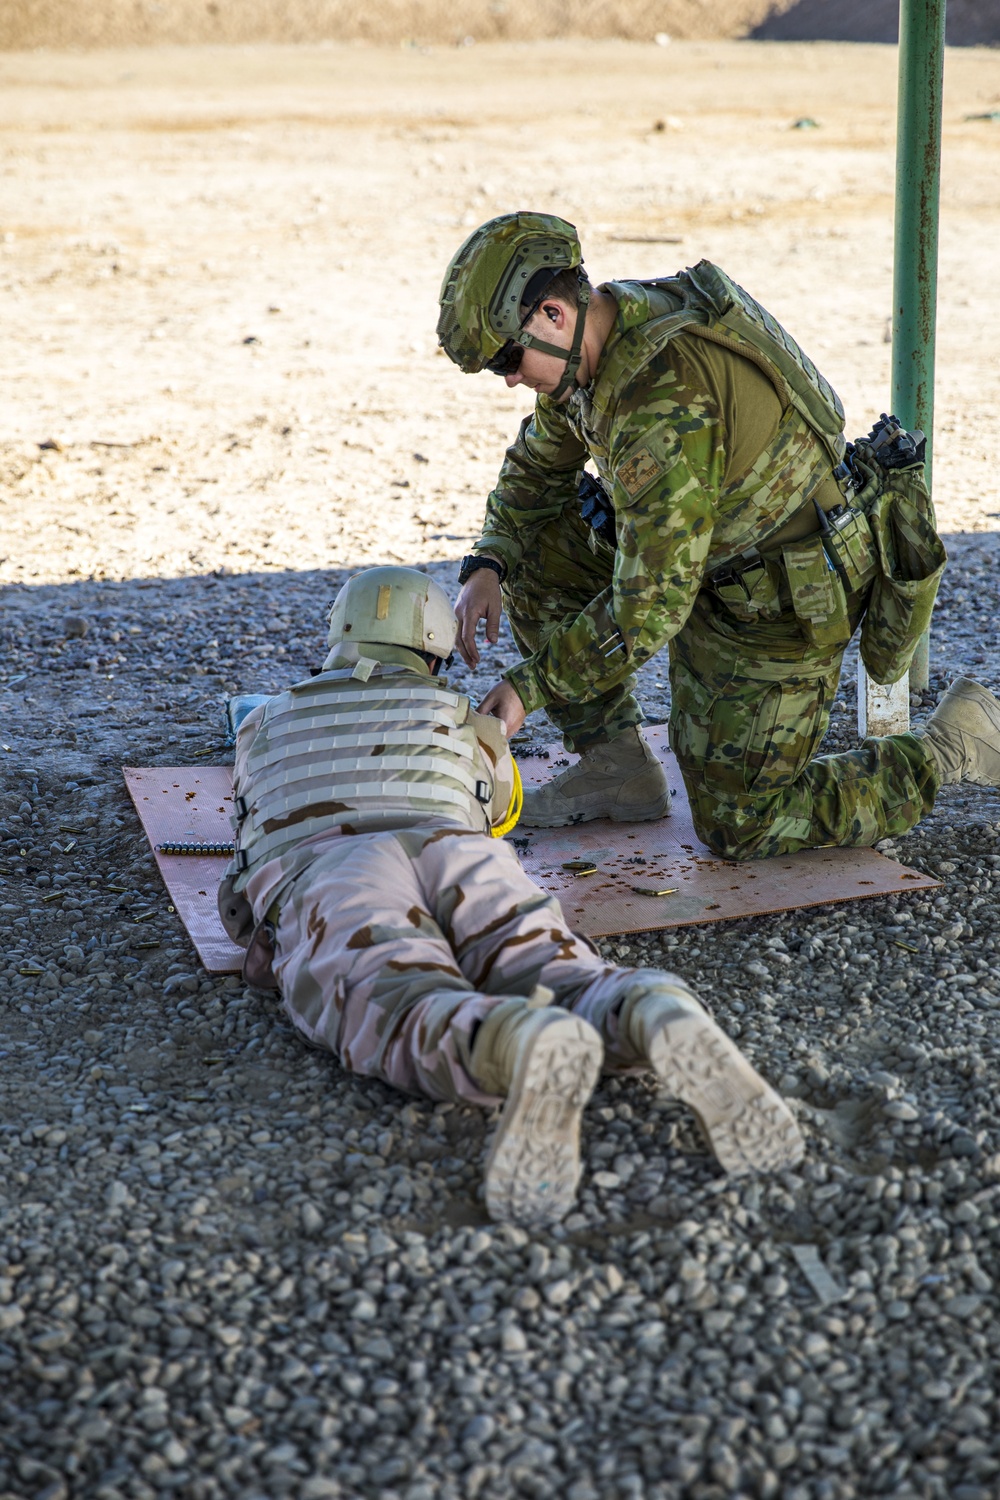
(484, 286)
(394, 607)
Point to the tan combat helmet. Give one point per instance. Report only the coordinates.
(394, 607)
(495, 281)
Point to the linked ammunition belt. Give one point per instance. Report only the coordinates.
(177, 848)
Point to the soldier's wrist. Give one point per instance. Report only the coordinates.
(479, 560)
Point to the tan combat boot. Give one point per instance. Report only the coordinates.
(963, 734)
(547, 1062)
(620, 779)
(748, 1126)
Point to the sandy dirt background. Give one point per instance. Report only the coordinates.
(220, 269)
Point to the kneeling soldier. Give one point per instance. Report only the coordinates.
(407, 940)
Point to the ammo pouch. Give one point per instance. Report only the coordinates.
(750, 591)
(828, 572)
(818, 596)
(822, 576)
(911, 559)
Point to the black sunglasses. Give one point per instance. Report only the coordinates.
(506, 361)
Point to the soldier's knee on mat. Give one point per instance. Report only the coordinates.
(738, 839)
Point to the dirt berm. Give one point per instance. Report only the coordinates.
(111, 23)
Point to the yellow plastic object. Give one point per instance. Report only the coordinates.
(513, 807)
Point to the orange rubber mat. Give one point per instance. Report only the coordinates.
(192, 804)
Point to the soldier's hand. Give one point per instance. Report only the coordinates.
(503, 702)
(479, 600)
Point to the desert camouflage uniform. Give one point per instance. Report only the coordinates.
(390, 947)
(691, 449)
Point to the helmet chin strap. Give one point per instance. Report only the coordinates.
(571, 357)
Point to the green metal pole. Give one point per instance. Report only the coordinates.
(918, 184)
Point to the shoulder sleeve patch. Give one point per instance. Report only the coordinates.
(638, 471)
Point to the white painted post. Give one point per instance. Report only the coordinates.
(882, 709)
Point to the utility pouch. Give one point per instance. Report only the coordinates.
(750, 593)
(911, 559)
(818, 596)
(850, 546)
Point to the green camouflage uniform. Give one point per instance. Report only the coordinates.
(695, 448)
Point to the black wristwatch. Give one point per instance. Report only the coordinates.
(473, 561)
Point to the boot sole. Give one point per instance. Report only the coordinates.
(533, 1169)
(748, 1126)
(649, 813)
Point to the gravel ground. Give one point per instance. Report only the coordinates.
(226, 1269)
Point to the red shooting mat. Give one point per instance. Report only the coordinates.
(669, 856)
(192, 804)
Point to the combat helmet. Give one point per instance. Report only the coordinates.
(394, 607)
(504, 266)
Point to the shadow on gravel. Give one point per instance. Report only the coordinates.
(98, 670)
(95, 665)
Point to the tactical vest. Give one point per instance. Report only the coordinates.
(340, 751)
(704, 301)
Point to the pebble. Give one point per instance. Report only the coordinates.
(312, 1219)
(898, 1109)
(479, 1431)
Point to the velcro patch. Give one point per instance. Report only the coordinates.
(638, 471)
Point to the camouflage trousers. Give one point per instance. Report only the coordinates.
(750, 705)
(390, 948)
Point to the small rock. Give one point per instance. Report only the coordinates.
(318, 1487)
(784, 1454)
(898, 1109)
(964, 1306)
(312, 1219)
(118, 1195)
(558, 1292)
(479, 1430)
(57, 1490)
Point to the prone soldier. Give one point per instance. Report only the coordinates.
(369, 886)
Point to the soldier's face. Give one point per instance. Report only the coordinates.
(543, 372)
